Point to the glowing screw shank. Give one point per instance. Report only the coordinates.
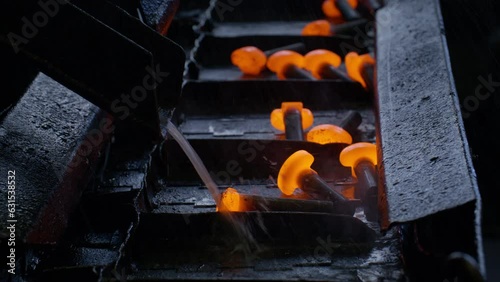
(232, 201)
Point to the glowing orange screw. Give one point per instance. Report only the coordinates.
(296, 173)
(249, 59)
(252, 60)
(324, 63)
(318, 28)
(292, 118)
(233, 201)
(325, 28)
(328, 133)
(288, 64)
(341, 133)
(362, 158)
(360, 68)
(345, 9)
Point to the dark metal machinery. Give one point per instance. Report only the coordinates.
(104, 194)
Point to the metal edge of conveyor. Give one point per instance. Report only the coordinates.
(424, 158)
(54, 151)
(468, 155)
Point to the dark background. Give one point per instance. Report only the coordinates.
(473, 33)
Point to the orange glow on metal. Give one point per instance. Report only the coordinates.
(278, 61)
(348, 192)
(249, 59)
(317, 28)
(358, 152)
(354, 62)
(315, 59)
(292, 171)
(331, 11)
(328, 133)
(278, 115)
(230, 201)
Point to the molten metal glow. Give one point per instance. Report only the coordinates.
(280, 60)
(328, 133)
(317, 28)
(330, 9)
(249, 59)
(292, 171)
(354, 64)
(230, 201)
(278, 115)
(358, 152)
(314, 60)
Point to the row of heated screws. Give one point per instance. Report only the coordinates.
(287, 62)
(347, 10)
(316, 64)
(342, 17)
(252, 60)
(293, 119)
(296, 173)
(361, 157)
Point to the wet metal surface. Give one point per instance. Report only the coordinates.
(424, 155)
(196, 199)
(39, 139)
(147, 217)
(314, 256)
(258, 126)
